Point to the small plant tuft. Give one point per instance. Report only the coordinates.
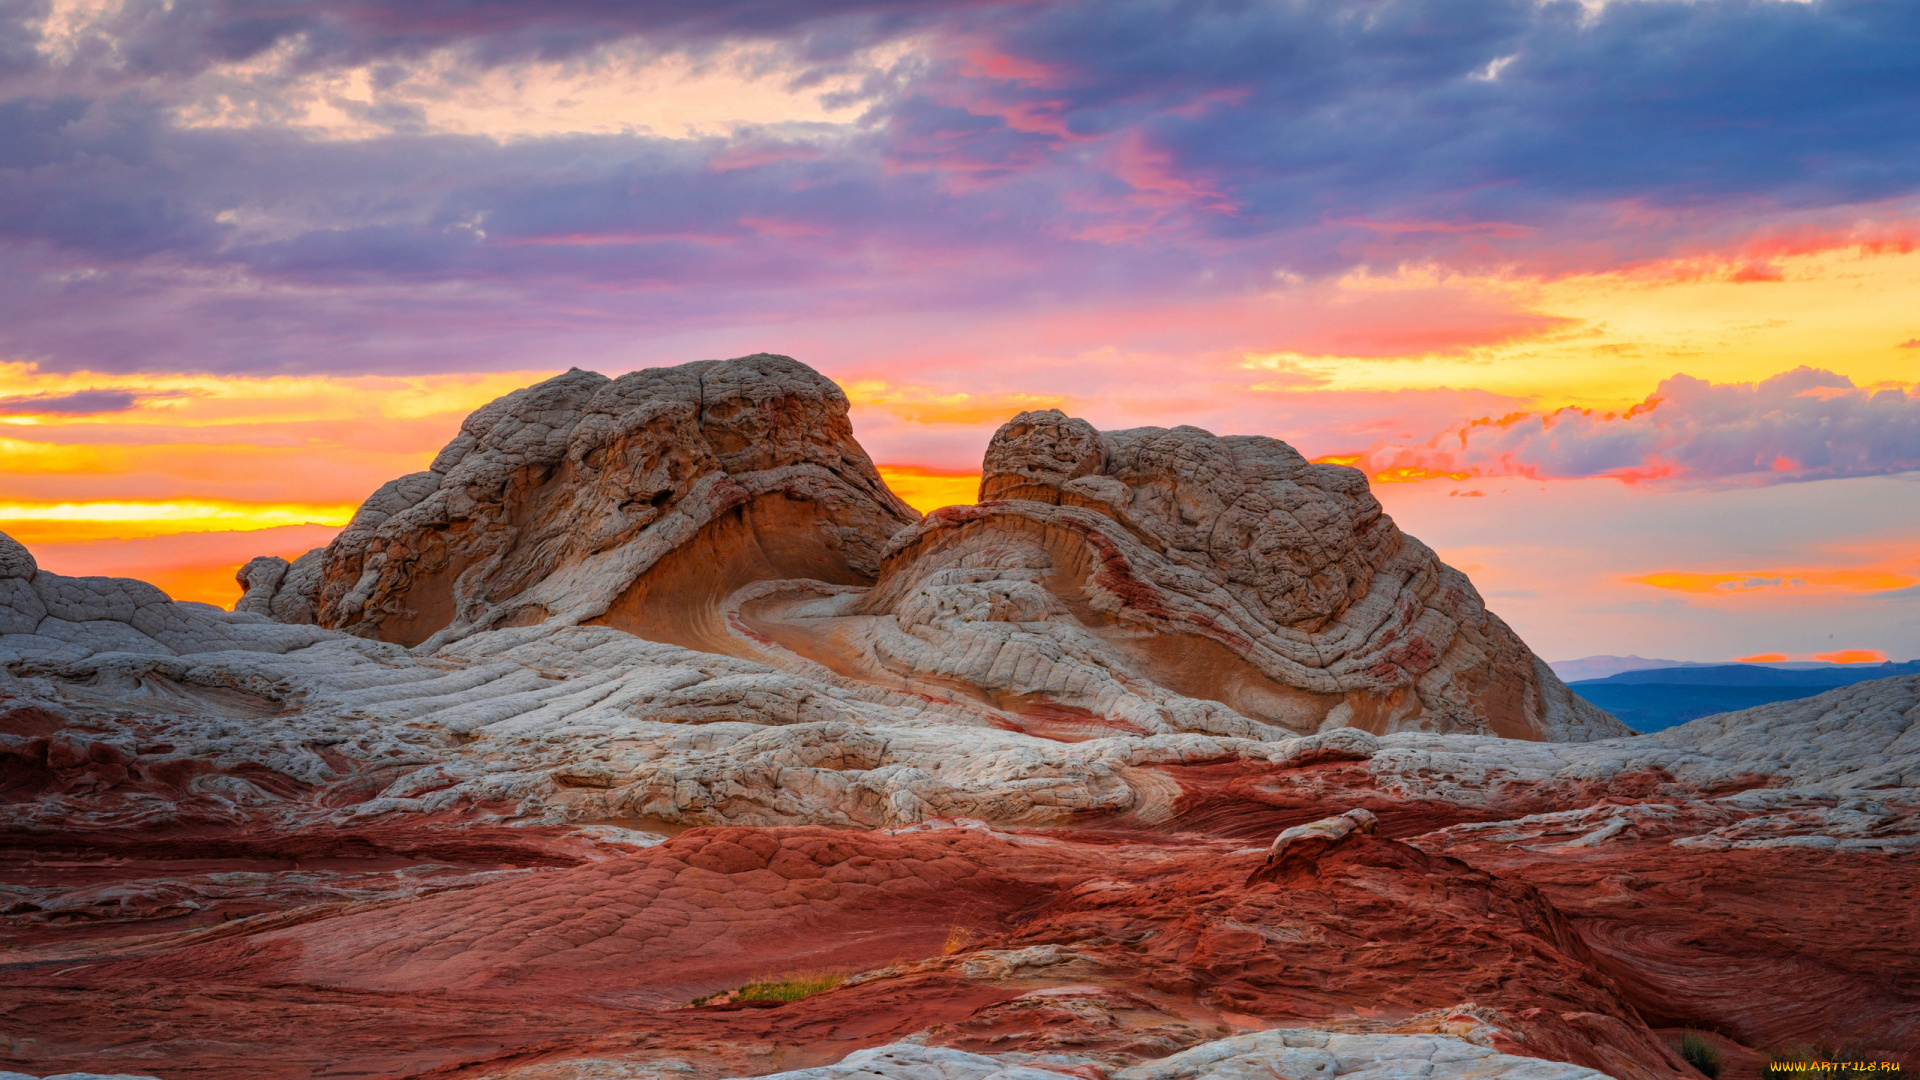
(784, 989)
(959, 939)
(1700, 1053)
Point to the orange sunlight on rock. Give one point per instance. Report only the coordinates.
(927, 490)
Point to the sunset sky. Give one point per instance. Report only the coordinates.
(1617, 300)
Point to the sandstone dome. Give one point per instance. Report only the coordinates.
(1149, 580)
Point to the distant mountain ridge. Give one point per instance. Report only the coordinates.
(1599, 667)
(1605, 666)
(1826, 677)
(1660, 694)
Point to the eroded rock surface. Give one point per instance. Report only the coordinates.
(1170, 758)
(1178, 565)
(1282, 1054)
(560, 501)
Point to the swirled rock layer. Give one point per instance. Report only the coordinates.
(1171, 758)
(561, 502)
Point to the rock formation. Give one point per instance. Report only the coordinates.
(1296, 852)
(1227, 569)
(1171, 758)
(1145, 581)
(561, 501)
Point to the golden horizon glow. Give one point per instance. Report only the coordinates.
(927, 490)
(1856, 580)
(231, 441)
(185, 400)
(1399, 474)
(1845, 307)
(924, 405)
(64, 522)
(216, 585)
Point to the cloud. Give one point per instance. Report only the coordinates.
(923, 405)
(186, 565)
(35, 523)
(79, 403)
(922, 156)
(1805, 424)
(177, 38)
(1850, 580)
(1853, 656)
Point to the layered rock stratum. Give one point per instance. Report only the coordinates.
(1172, 757)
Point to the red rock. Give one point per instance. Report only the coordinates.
(239, 847)
(1767, 945)
(1178, 946)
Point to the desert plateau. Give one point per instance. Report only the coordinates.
(959, 539)
(648, 735)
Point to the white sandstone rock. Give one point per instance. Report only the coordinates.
(1288, 1054)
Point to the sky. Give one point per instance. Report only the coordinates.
(1618, 301)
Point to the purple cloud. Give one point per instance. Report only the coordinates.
(1026, 154)
(1804, 424)
(78, 403)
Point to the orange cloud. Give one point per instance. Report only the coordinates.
(213, 400)
(65, 522)
(178, 479)
(1392, 474)
(927, 490)
(1863, 580)
(186, 566)
(1599, 339)
(1853, 656)
(1413, 474)
(925, 405)
(1762, 658)
(1801, 424)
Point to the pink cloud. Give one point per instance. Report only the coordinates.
(1801, 425)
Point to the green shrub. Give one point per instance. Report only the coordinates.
(787, 988)
(1700, 1053)
(791, 988)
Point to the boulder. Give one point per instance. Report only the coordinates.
(1298, 848)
